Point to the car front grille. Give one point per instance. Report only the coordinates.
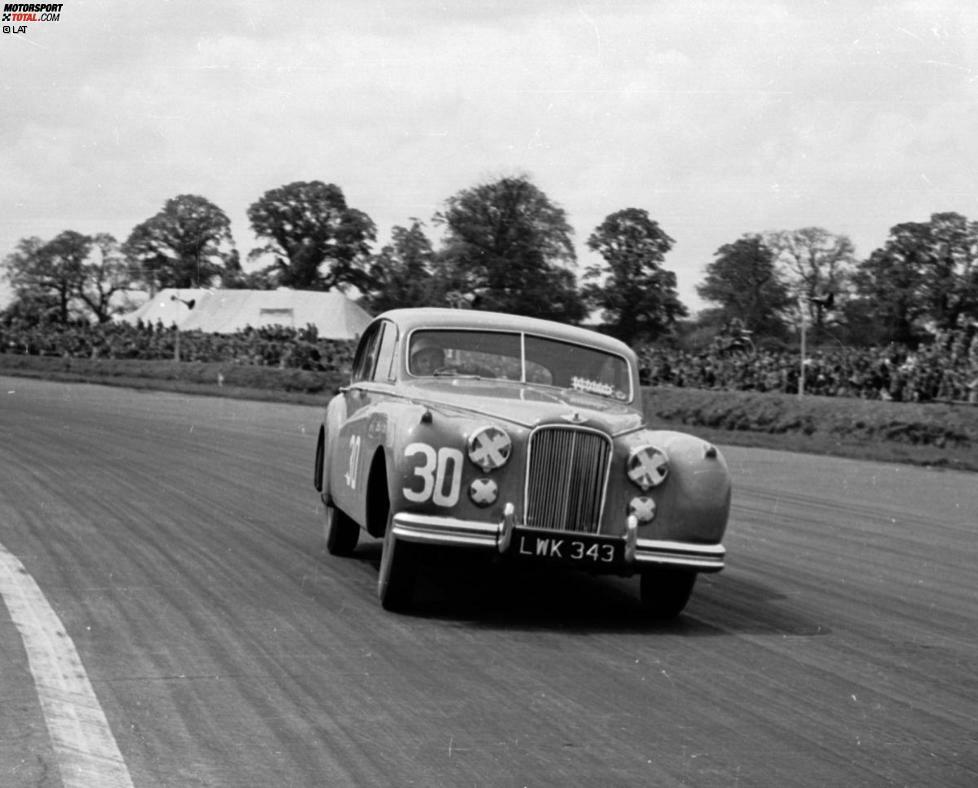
(567, 470)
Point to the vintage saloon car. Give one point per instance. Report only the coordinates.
(519, 437)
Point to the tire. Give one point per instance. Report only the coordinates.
(341, 532)
(395, 584)
(665, 592)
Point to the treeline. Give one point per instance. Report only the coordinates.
(507, 246)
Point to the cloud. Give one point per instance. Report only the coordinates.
(718, 118)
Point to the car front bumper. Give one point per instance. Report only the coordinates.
(638, 553)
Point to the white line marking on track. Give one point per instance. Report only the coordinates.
(86, 751)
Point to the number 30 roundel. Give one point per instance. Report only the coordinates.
(440, 474)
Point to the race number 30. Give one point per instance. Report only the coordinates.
(440, 472)
(351, 471)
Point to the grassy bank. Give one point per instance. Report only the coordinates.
(227, 380)
(924, 434)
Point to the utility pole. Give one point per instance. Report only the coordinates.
(802, 304)
(176, 342)
(825, 302)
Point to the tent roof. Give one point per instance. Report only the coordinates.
(228, 311)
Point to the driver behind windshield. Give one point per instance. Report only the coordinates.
(427, 356)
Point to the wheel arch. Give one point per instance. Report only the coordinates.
(377, 495)
(317, 473)
(333, 419)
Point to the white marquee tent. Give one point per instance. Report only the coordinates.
(228, 311)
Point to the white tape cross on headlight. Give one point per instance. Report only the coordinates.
(490, 448)
(648, 467)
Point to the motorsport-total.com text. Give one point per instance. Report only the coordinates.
(32, 12)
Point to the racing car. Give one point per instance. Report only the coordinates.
(521, 438)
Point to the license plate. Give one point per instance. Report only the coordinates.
(601, 552)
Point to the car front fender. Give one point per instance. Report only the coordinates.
(333, 419)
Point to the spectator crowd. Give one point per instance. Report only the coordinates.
(944, 370)
(269, 346)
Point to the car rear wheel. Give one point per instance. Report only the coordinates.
(395, 584)
(665, 592)
(341, 532)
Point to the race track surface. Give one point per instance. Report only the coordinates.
(179, 541)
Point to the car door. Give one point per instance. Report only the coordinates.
(359, 436)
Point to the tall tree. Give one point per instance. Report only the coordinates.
(925, 272)
(950, 269)
(30, 302)
(745, 282)
(817, 263)
(636, 294)
(187, 244)
(402, 271)
(508, 243)
(39, 271)
(105, 274)
(307, 226)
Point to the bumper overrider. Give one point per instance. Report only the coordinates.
(637, 553)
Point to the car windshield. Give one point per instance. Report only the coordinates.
(519, 357)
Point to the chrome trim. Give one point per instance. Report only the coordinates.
(631, 538)
(506, 527)
(639, 553)
(444, 530)
(609, 449)
(701, 557)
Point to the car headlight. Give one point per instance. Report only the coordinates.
(489, 448)
(647, 467)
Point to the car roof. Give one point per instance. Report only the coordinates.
(440, 318)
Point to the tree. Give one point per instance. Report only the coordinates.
(104, 274)
(30, 302)
(638, 296)
(509, 244)
(49, 272)
(402, 272)
(950, 288)
(745, 282)
(926, 271)
(817, 263)
(187, 244)
(891, 280)
(307, 225)
(250, 280)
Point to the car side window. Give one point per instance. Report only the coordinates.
(385, 353)
(363, 364)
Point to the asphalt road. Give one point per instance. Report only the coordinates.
(178, 539)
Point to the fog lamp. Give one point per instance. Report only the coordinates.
(483, 492)
(643, 508)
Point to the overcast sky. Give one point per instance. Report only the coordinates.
(718, 118)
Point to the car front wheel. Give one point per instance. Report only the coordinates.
(341, 532)
(665, 592)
